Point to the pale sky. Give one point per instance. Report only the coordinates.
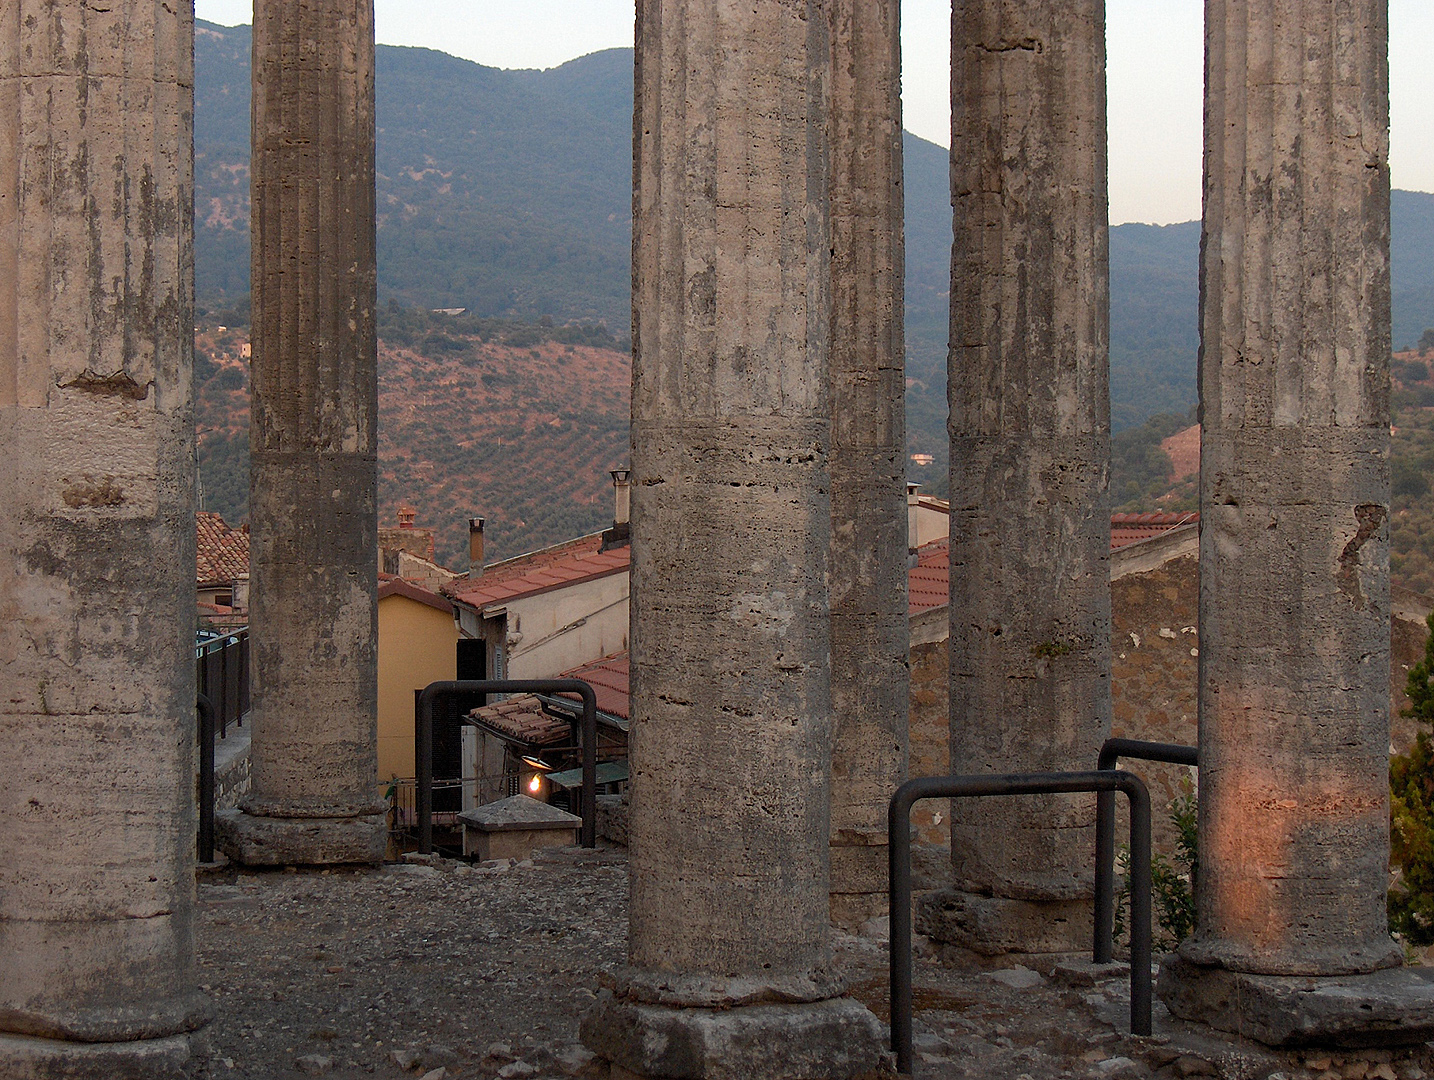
(1155, 76)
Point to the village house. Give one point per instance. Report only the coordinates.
(221, 572)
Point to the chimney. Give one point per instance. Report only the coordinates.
(475, 547)
(620, 532)
(913, 516)
(622, 496)
(407, 515)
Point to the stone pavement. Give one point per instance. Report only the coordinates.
(485, 971)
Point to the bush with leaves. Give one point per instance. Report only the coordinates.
(1411, 813)
(1172, 878)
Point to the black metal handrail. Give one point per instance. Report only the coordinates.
(957, 787)
(506, 686)
(1111, 751)
(206, 778)
(221, 667)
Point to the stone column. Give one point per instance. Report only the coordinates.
(1294, 501)
(1030, 449)
(97, 615)
(313, 471)
(731, 530)
(870, 683)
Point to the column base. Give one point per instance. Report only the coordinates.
(835, 1039)
(1392, 1007)
(275, 841)
(996, 926)
(25, 1058)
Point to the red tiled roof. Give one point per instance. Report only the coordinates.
(928, 582)
(523, 720)
(223, 553)
(609, 680)
(388, 585)
(1128, 528)
(568, 570)
(518, 565)
(928, 585)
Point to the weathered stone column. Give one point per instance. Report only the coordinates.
(313, 472)
(1294, 566)
(97, 721)
(870, 683)
(1030, 447)
(731, 529)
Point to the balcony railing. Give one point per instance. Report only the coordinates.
(221, 667)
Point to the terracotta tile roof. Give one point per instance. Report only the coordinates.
(1128, 528)
(568, 570)
(223, 553)
(518, 565)
(928, 582)
(521, 719)
(609, 680)
(388, 585)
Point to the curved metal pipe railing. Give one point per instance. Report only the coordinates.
(960, 787)
(1111, 751)
(506, 686)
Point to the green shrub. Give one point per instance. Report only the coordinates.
(1411, 814)
(1172, 879)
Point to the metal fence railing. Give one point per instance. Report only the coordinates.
(205, 711)
(955, 787)
(1111, 751)
(221, 670)
(221, 673)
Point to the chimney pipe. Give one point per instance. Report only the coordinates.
(913, 516)
(622, 496)
(618, 535)
(475, 547)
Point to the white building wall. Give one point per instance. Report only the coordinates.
(555, 631)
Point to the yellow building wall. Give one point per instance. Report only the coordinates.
(417, 645)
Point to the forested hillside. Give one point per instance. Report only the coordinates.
(508, 193)
(513, 422)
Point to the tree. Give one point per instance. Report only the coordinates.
(1411, 812)
(1426, 342)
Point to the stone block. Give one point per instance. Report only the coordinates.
(1393, 1007)
(851, 910)
(272, 841)
(515, 827)
(25, 1058)
(836, 1039)
(994, 925)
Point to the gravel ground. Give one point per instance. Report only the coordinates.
(458, 972)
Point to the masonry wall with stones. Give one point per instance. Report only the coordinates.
(1154, 599)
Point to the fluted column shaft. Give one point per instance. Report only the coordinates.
(870, 680)
(97, 720)
(313, 479)
(1030, 425)
(731, 515)
(1294, 588)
